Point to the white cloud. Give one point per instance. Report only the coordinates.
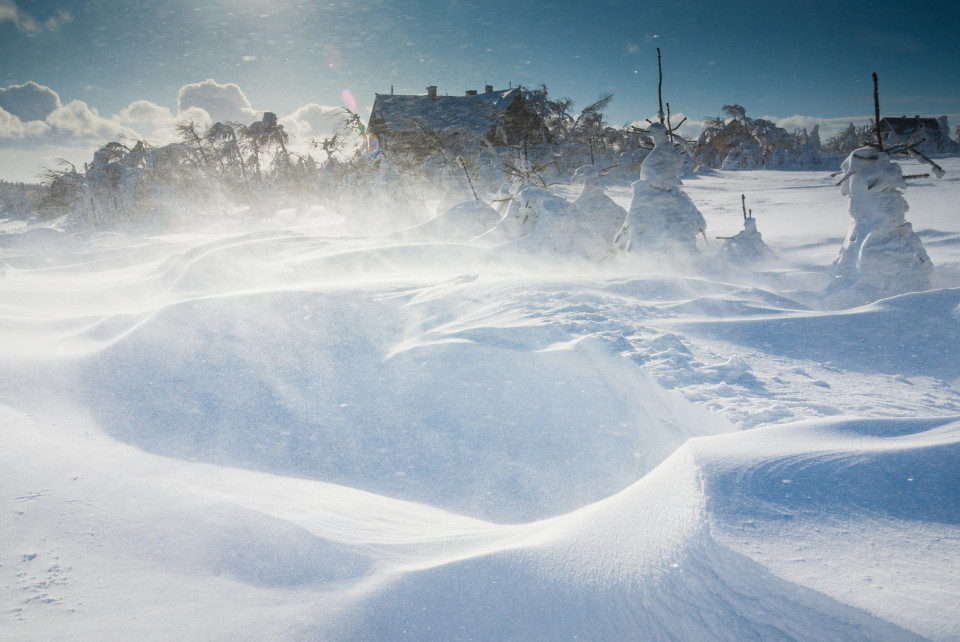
(29, 101)
(72, 131)
(34, 113)
(37, 129)
(10, 125)
(8, 11)
(154, 122)
(25, 22)
(144, 111)
(77, 120)
(312, 121)
(222, 102)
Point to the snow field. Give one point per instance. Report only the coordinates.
(291, 432)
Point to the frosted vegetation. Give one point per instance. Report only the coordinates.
(226, 165)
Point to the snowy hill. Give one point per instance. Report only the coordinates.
(282, 430)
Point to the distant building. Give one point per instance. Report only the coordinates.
(904, 130)
(404, 123)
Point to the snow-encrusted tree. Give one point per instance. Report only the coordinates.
(541, 223)
(662, 218)
(814, 141)
(605, 215)
(881, 255)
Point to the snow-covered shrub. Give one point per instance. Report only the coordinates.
(547, 224)
(522, 214)
(746, 246)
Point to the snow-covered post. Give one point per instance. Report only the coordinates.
(881, 256)
(662, 218)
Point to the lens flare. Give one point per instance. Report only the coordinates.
(348, 100)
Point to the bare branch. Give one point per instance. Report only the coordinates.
(876, 110)
(660, 87)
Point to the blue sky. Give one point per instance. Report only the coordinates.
(802, 62)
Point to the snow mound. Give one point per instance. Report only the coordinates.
(278, 430)
(460, 222)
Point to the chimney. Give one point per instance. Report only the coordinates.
(471, 92)
(488, 89)
(432, 92)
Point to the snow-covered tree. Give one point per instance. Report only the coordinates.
(814, 141)
(604, 214)
(851, 138)
(881, 255)
(662, 218)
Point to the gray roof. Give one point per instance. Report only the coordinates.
(905, 126)
(476, 113)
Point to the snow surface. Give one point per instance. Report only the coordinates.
(286, 431)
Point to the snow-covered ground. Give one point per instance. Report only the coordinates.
(282, 431)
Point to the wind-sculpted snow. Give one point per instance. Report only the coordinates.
(291, 430)
(883, 337)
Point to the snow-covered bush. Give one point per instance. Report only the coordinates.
(543, 223)
(745, 247)
(521, 216)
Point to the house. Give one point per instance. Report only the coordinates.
(405, 123)
(905, 130)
